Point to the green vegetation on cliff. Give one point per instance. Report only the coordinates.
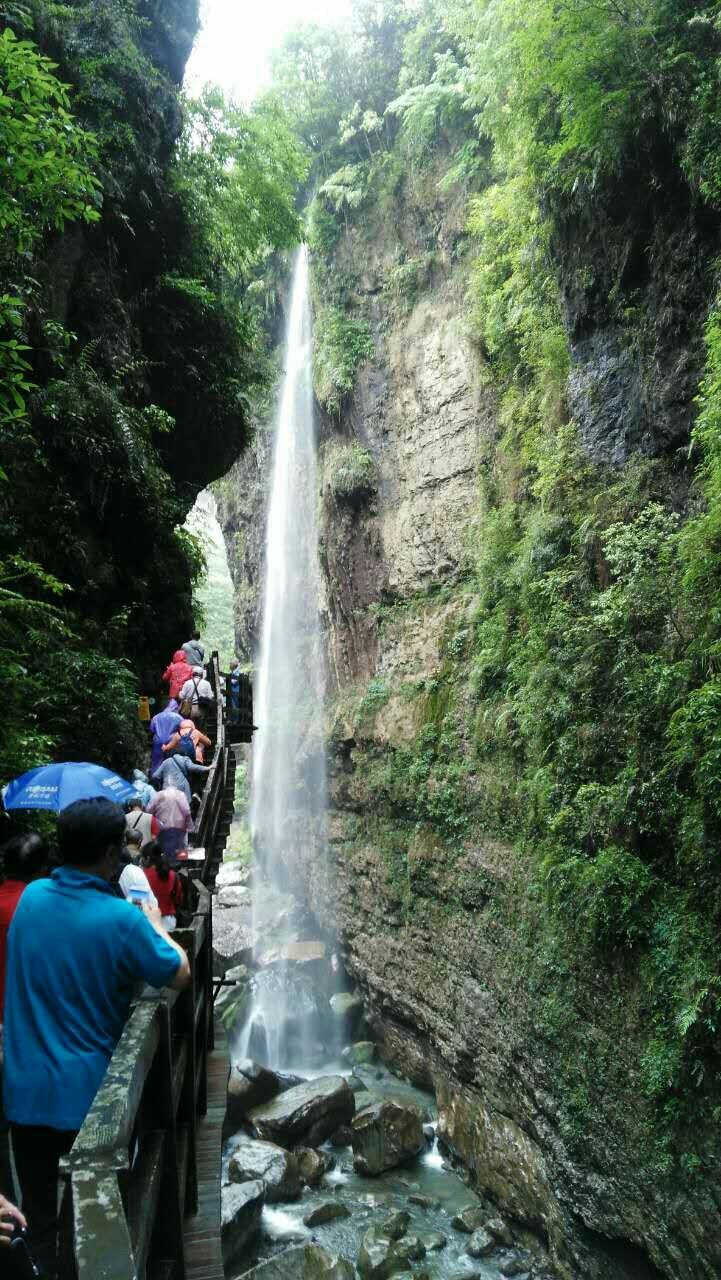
(129, 351)
(354, 97)
(577, 713)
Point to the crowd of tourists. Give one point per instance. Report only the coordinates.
(80, 927)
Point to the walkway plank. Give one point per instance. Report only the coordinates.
(203, 1253)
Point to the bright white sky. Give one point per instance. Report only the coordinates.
(237, 36)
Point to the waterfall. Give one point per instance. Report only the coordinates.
(288, 783)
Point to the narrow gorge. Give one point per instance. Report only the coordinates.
(501, 605)
(472, 515)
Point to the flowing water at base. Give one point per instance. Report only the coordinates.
(371, 1200)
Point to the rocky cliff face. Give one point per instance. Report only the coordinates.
(536, 1067)
(419, 415)
(636, 282)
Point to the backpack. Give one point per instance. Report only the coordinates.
(186, 706)
(185, 747)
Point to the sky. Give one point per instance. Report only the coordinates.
(237, 37)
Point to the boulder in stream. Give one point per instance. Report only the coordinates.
(376, 1260)
(386, 1134)
(497, 1228)
(326, 1212)
(319, 1264)
(265, 1162)
(249, 1085)
(288, 1265)
(302, 1262)
(481, 1244)
(516, 1264)
(361, 1053)
(357, 1085)
(342, 1137)
(434, 1241)
(410, 1249)
(424, 1202)
(307, 1114)
(395, 1227)
(470, 1219)
(313, 1165)
(381, 1257)
(241, 1209)
(347, 1010)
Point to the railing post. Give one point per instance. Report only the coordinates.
(185, 1030)
(228, 703)
(103, 1250)
(168, 1237)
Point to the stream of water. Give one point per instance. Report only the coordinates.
(288, 782)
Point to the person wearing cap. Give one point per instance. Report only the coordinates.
(195, 695)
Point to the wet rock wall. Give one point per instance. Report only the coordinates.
(539, 1100)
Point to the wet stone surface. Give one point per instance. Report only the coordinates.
(411, 1215)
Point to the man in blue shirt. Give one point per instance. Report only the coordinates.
(75, 952)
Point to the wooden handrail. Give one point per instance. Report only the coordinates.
(131, 1176)
(127, 1151)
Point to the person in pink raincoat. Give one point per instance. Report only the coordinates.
(177, 672)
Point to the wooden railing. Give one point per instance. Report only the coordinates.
(130, 1178)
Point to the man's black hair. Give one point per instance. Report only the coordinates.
(24, 857)
(196, 635)
(86, 829)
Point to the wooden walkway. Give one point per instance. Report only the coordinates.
(203, 1253)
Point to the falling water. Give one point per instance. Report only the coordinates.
(288, 785)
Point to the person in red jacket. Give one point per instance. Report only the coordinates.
(23, 859)
(177, 672)
(163, 882)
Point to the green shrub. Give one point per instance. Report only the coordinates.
(342, 342)
(349, 473)
(408, 280)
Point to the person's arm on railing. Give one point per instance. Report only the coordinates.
(154, 918)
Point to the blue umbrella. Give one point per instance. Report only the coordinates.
(55, 786)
